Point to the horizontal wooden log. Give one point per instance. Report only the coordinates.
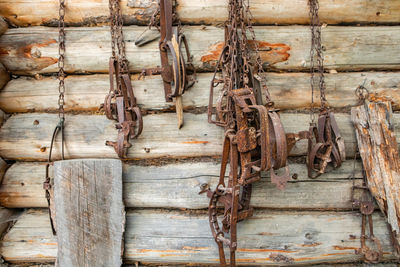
(44, 12)
(35, 50)
(170, 237)
(152, 186)
(288, 90)
(28, 136)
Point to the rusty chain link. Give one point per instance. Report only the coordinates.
(316, 54)
(61, 59)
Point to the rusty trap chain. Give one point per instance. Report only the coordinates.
(366, 204)
(325, 143)
(177, 70)
(47, 186)
(120, 103)
(254, 140)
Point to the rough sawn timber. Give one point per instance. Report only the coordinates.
(160, 236)
(379, 152)
(89, 212)
(288, 90)
(89, 12)
(35, 50)
(178, 185)
(28, 136)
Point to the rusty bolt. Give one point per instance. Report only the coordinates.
(43, 149)
(147, 150)
(295, 176)
(35, 122)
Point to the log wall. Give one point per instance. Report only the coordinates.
(311, 222)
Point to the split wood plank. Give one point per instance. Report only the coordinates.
(92, 12)
(288, 90)
(178, 185)
(28, 136)
(35, 50)
(379, 152)
(89, 212)
(170, 237)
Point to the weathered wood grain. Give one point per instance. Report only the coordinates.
(288, 90)
(379, 152)
(28, 136)
(35, 50)
(44, 12)
(90, 213)
(158, 236)
(152, 186)
(4, 76)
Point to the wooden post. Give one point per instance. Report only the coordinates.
(90, 214)
(380, 156)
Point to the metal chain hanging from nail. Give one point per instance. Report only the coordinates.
(120, 104)
(61, 112)
(254, 139)
(325, 143)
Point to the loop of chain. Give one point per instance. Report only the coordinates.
(61, 59)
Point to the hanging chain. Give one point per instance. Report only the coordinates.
(117, 36)
(259, 63)
(61, 112)
(316, 57)
(61, 60)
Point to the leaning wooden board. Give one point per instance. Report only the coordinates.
(160, 236)
(28, 136)
(288, 90)
(33, 12)
(89, 212)
(35, 50)
(178, 185)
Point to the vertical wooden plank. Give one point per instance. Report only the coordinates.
(90, 214)
(379, 152)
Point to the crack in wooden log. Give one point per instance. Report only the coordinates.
(29, 52)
